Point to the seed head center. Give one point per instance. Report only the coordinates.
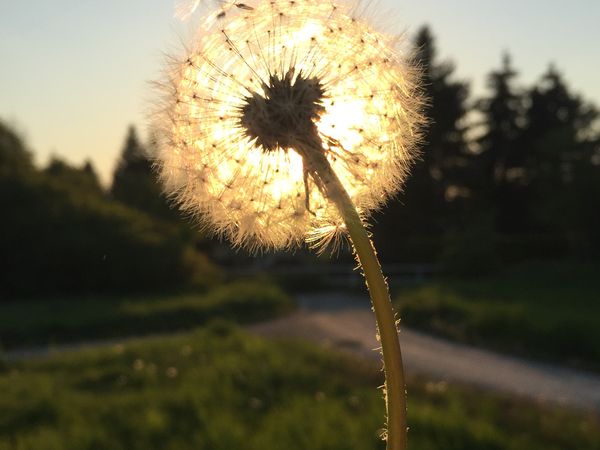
(285, 110)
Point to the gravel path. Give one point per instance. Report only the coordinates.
(346, 321)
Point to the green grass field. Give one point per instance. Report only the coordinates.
(550, 312)
(221, 389)
(42, 322)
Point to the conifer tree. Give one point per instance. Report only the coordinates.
(562, 144)
(427, 205)
(501, 157)
(134, 182)
(83, 179)
(15, 159)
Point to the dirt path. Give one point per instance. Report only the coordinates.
(346, 321)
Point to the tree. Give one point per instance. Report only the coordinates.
(501, 156)
(61, 234)
(436, 186)
(445, 147)
(134, 182)
(561, 146)
(83, 179)
(15, 159)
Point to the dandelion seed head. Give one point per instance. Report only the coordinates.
(185, 8)
(259, 83)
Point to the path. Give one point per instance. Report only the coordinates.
(346, 321)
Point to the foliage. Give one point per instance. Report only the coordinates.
(134, 182)
(220, 389)
(82, 179)
(14, 157)
(62, 240)
(548, 311)
(62, 234)
(423, 210)
(528, 158)
(559, 163)
(42, 322)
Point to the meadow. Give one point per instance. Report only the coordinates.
(219, 388)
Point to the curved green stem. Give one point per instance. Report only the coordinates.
(395, 392)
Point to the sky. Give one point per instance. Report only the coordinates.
(74, 74)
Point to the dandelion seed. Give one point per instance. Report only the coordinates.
(185, 8)
(244, 104)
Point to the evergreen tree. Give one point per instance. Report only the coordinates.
(90, 172)
(445, 148)
(500, 164)
(559, 132)
(15, 159)
(562, 145)
(83, 179)
(134, 182)
(436, 185)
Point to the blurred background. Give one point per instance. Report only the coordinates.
(122, 326)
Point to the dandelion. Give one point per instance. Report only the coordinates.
(291, 121)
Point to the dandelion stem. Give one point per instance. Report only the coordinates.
(395, 391)
(388, 333)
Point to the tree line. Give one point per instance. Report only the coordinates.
(511, 176)
(508, 177)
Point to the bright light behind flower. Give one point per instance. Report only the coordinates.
(228, 155)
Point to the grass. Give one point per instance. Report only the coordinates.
(221, 389)
(43, 322)
(550, 312)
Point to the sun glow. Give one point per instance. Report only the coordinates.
(261, 197)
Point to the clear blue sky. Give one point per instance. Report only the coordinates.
(74, 73)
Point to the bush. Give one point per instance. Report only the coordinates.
(60, 239)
